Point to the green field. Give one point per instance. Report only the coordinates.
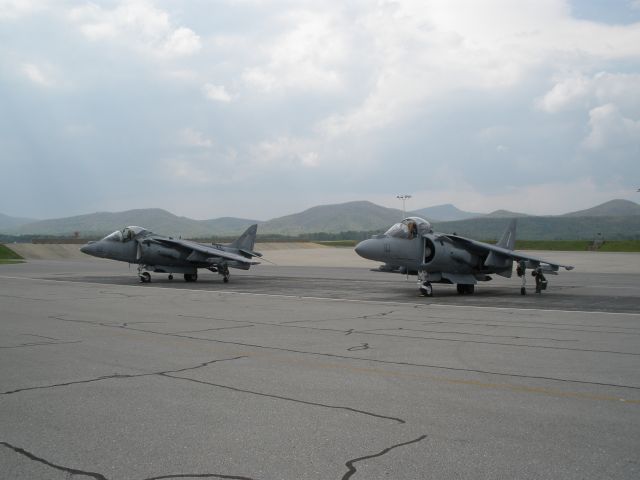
(578, 245)
(9, 256)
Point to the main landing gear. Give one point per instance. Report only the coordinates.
(190, 277)
(465, 288)
(224, 271)
(541, 281)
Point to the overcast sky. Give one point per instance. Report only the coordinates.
(257, 108)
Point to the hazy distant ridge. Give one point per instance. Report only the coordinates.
(614, 219)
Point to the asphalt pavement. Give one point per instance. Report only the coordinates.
(300, 371)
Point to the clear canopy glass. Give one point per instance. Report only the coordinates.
(409, 228)
(124, 235)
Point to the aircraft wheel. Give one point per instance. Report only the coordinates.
(170, 277)
(225, 279)
(470, 289)
(426, 289)
(523, 291)
(460, 288)
(190, 277)
(145, 277)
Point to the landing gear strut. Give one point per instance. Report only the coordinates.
(541, 281)
(521, 271)
(224, 271)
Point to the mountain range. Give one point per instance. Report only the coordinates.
(613, 219)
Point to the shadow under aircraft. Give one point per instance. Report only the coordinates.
(412, 247)
(157, 253)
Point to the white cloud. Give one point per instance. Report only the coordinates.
(286, 152)
(422, 51)
(582, 91)
(610, 129)
(309, 55)
(194, 138)
(565, 93)
(217, 93)
(35, 74)
(137, 23)
(14, 9)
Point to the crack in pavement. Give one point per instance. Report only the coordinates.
(167, 374)
(439, 339)
(39, 344)
(99, 476)
(350, 464)
(289, 399)
(70, 471)
(120, 375)
(362, 359)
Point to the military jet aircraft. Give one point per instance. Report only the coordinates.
(161, 254)
(412, 247)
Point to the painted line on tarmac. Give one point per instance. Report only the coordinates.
(327, 299)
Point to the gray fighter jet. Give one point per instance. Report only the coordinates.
(412, 247)
(161, 254)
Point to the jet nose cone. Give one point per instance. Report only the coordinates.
(89, 249)
(367, 249)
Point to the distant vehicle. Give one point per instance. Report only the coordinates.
(160, 254)
(412, 247)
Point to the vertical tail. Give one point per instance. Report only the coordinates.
(503, 265)
(247, 240)
(508, 239)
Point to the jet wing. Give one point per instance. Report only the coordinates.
(485, 248)
(201, 252)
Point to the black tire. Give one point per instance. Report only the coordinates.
(426, 289)
(145, 277)
(523, 291)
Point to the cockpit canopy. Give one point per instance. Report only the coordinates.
(409, 228)
(124, 235)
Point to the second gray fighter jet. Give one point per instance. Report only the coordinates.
(157, 253)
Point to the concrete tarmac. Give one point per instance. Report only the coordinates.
(301, 371)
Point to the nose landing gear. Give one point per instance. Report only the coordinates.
(145, 277)
(426, 289)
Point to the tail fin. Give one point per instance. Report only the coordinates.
(508, 239)
(502, 264)
(247, 240)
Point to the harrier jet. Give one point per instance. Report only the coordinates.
(161, 254)
(412, 247)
